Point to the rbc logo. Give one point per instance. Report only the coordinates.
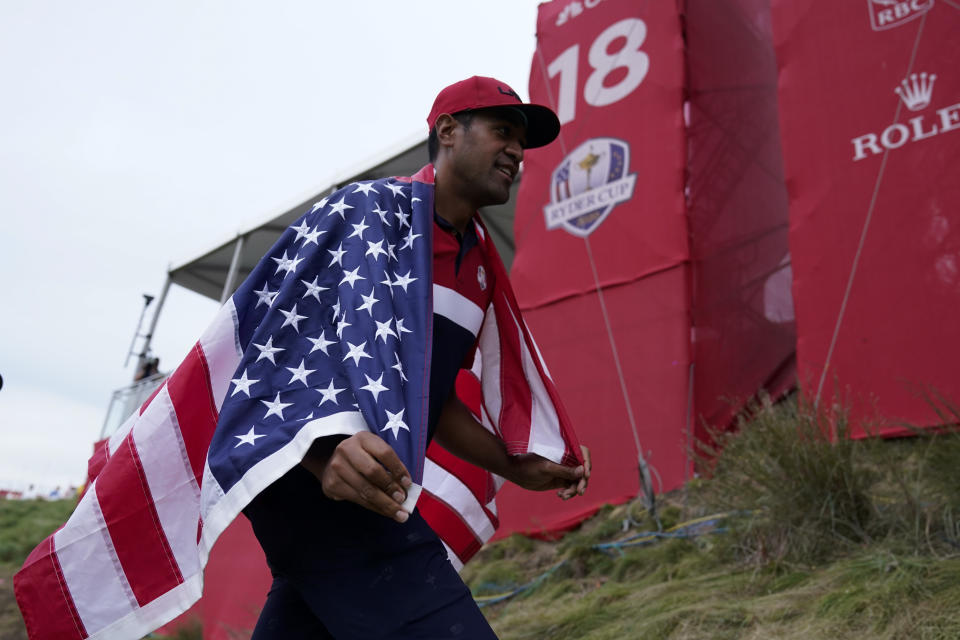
(886, 14)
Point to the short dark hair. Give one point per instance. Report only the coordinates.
(433, 145)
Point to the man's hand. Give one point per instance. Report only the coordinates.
(363, 469)
(536, 473)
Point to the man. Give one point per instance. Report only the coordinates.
(349, 558)
(308, 404)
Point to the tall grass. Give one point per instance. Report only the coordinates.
(805, 492)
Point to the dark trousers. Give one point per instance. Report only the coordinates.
(341, 571)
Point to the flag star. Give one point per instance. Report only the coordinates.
(396, 189)
(386, 281)
(390, 251)
(267, 350)
(301, 230)
(384, 330)
(399, 366)
(359, 228)
(336, 308)
(275, 408)
(300, 373)
(249, 437)
(321, 343)
(382, 213)
(376, 248)
(374, 386)
(416, 200)
(400, 328)
(294, 263)
(292, 318)
(313, 289)
(356, 352)
(402, 216)
(395, 423)
(351, 277)
(265, 296)
(309, 417)
(365, 187)
(330, 393)
(337, 254)
(408, 241)
(403, 281)
(319, 205)
(340, 207)
(283, 264)
(312, 237)
(243, 384)
(368, 302)
(341, 325)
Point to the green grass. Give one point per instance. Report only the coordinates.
(24, 523)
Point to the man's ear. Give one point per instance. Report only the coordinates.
(446, 126)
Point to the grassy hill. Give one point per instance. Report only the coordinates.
(794, 535)
(23, 524)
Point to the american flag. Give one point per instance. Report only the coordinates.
(330, 334)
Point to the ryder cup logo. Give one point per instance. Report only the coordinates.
(886, 14)
(588, 184)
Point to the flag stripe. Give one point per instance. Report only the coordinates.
(458, 308)
(139, 541)
(489, 352)
(42, 581)
(99, 591)
(515, 415)
(449, 526)
(222, 352)
(189, 389)
(448, 488)
(166, 466)
(545, 437)
(452, 557)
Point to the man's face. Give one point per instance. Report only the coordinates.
(487, 153)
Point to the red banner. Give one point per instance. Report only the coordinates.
(870, 113)
(601, 268)
(613, 71)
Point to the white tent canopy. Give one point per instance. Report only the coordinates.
(216, 272)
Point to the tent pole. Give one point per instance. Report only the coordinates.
(232, 272)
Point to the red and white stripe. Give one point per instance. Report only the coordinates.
(128, 559)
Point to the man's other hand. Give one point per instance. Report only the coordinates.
(536, 473)
(366, 470)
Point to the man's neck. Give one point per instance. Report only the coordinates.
(449, 203)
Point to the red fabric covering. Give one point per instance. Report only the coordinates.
(743, 318)
(867, 172)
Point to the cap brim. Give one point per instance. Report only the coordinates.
(543, 127)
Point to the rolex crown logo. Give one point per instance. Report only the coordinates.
(916, 90)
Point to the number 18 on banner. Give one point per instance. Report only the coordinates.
(617, 67)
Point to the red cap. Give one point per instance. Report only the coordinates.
(479, 92)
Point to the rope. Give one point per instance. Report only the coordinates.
(866, 226)
(684, 530)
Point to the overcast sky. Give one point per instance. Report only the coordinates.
(136, 134)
